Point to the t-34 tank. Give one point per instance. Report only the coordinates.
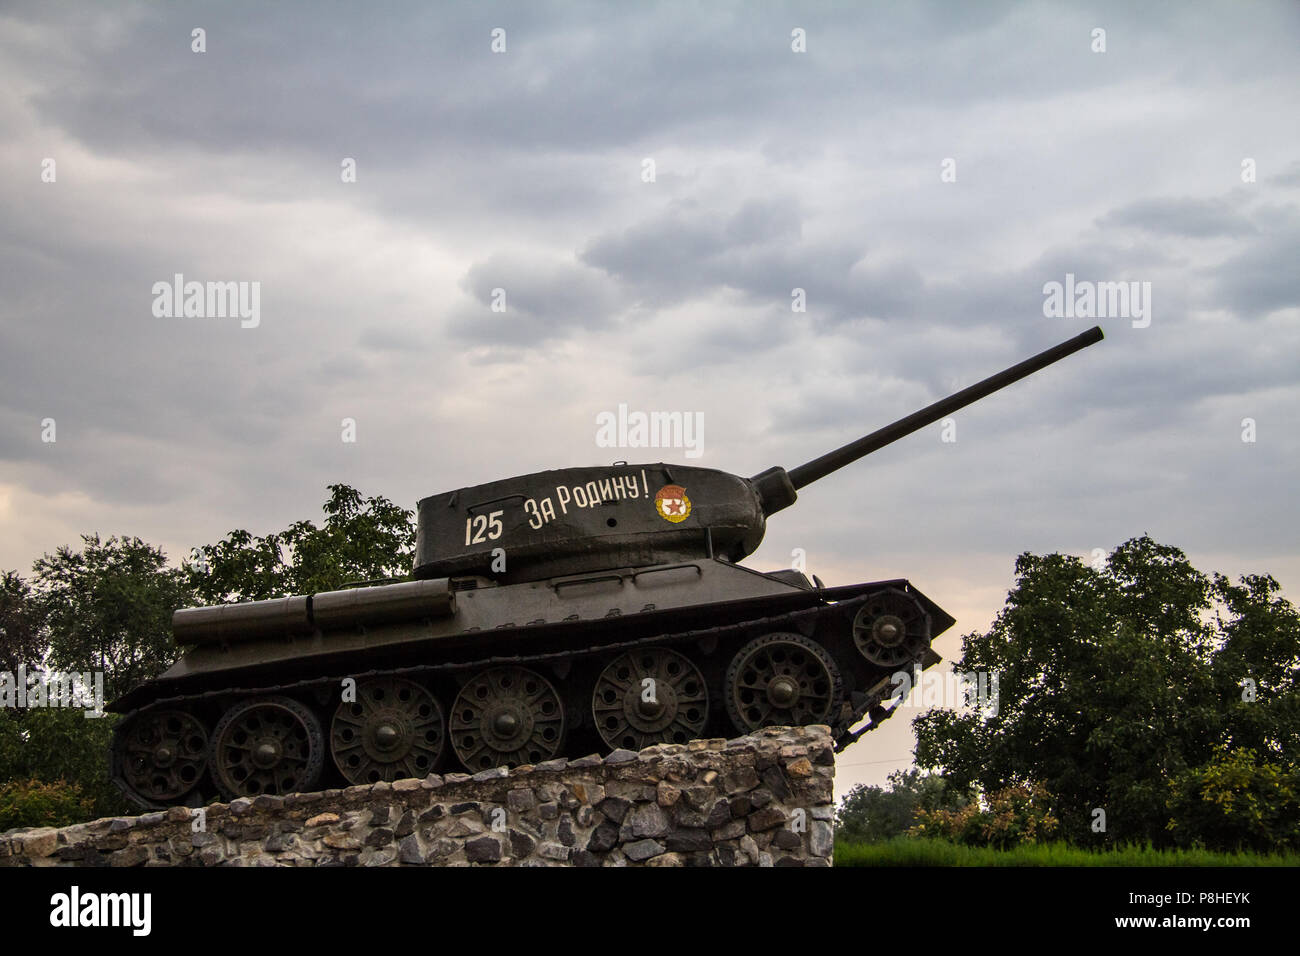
(552, 614)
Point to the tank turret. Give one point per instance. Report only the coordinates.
(587, 519)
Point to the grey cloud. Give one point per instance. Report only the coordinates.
(689, 248)
(392, 339)
(755, 248)
(1194, 217)
(1289, 176)
(544, 298)
(1264, 278)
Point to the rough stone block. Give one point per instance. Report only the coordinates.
(37, 843)
(765, 819)
(718, 814)
(378, 856)
(405, 824)
(800, 768)
(486, 849)
(746, 778)
(642, 850)
(688, 841)
(441, 848)
(646, 821)
(603, 839)
(521, 800)
(787, 840)
(732, 830)
(668, 795)
(615, 808)
(554, 851)
(342, 841)
(408, 851)
(821, 838)
(521, 844)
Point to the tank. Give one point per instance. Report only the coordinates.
(550, 615)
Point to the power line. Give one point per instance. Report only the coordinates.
(863, 763)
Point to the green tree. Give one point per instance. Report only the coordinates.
(870, 814)
(1115, 681)
(1257, 669)
(109, 607)
(23, 638)
(362, 539)
(42, 747)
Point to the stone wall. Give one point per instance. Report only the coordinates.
(761, 800)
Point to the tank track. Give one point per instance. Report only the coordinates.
(852, 708)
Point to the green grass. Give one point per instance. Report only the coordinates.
(910, 851)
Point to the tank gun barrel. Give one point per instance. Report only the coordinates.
(771, 483)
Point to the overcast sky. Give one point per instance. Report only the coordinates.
(1171, 158)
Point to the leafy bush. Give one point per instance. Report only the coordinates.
(31, 803)
(1237, 802)
(1014, 816)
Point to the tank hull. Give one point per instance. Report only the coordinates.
(583, 639)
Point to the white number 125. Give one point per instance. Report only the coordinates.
(480, 528)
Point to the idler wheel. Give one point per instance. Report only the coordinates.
(650, 696)
(267, 745)
(394, 729)
(506, 716)
(891, 629)
(782, 680)
(161, 755)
